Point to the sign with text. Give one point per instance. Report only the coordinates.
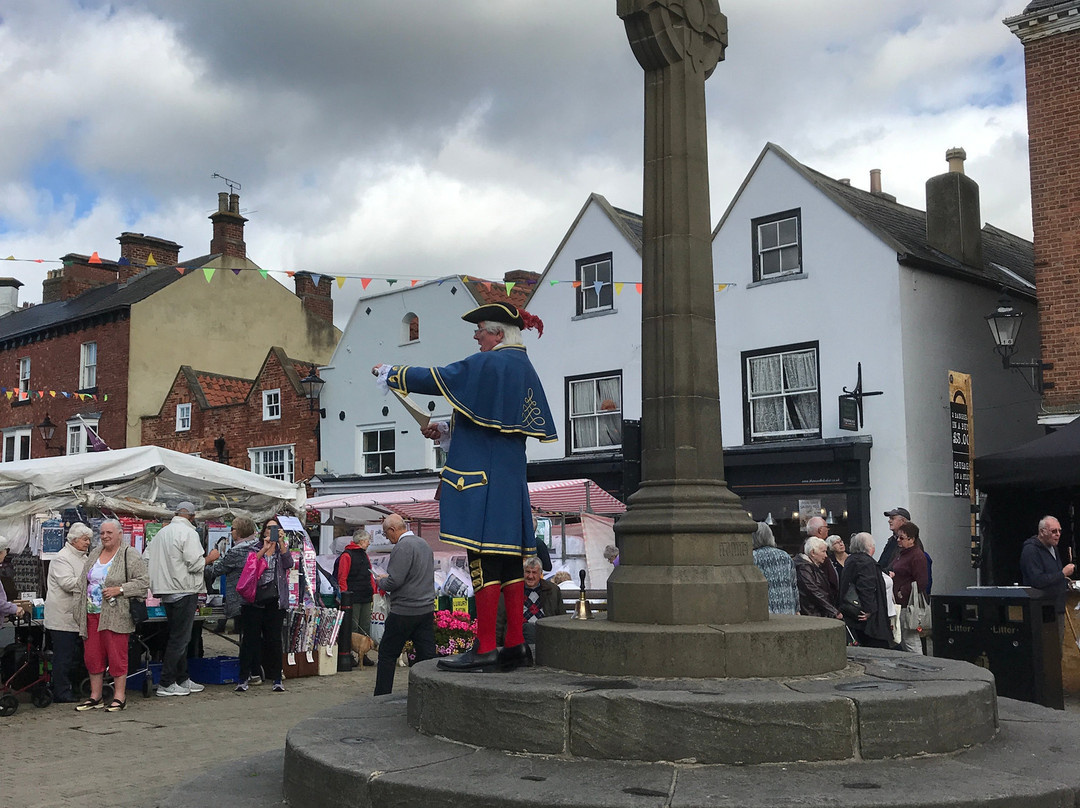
(962, 429)
(849, 413)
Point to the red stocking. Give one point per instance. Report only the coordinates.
(514, 596)
(487, 609)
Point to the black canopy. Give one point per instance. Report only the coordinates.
(1046, 463)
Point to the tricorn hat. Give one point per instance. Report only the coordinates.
(506, 313)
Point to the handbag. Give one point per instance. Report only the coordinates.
(248, 584)
(916, 615)
(850, 606)
(136, 606)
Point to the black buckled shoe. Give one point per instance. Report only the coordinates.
(471, 661)
(515, 656)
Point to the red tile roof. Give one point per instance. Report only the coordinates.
(222, 390)
(495, 291)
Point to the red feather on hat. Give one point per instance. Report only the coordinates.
(532, 321)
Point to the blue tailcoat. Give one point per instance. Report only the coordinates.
(498, 402)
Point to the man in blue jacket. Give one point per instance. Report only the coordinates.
(498, 402)
(1041, 567)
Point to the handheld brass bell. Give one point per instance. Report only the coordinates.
(582, 611)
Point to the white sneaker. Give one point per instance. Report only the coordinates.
(193, 687)
(172, 690)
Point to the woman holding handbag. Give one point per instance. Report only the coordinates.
(862, 595)
(909, 567)
(265, 603)
(112, 575)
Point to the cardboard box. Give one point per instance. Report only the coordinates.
(326, 657)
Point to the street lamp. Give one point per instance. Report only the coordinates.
(47, 429)
(1005, 324)
(312, 386)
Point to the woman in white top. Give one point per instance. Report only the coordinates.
(63, 587)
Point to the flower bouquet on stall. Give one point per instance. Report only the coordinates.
(454, 633)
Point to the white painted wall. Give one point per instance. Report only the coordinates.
(378, 337)
(944, 328)
(573, 346)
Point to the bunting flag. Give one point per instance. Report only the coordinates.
(638, 287)
(10, 258)
(94, 258)
(150, 262)
(236, 272)
(10, 392)
(264, 273)
(510, 287)
(597, 287)
(364, 282)
(290, 273)
(576, 284)
(126, 262)
(317, 279)
(180, 269)
(618, 288)
(340, 281)
(722, 286)
(208, 272)
(391, 281)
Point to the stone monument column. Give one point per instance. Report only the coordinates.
(685, 539)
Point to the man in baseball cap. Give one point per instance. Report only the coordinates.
(897, 517)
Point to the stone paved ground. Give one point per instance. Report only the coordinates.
(57, 757)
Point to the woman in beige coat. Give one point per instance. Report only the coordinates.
(112, 574)
(65, 569)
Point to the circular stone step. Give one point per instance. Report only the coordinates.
(883, 704)
(364, 753)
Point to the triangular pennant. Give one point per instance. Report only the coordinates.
(180, 270)
(123, 261)
(66, 395)
(41, 394)
(208, 272)
(150, 262)
(52, 393)
(8, 394)
(618, 288)
(340, 281)
(576, 284)
(391, 281)
(316, 279)
(290, 273)
(597, 286)
(413, 283)
(722, 286)
(264, 273)
(236, 272)
(553, 282)
(637, 286)
(364, 282)
(106, 396)
(94, 259)
(10, 258)
(510, 287)
(39, 260)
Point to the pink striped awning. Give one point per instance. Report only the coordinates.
(560, 496)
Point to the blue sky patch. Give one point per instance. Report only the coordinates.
(61, 178)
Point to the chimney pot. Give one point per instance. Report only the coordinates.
(875, 180)
(223, 202)
(956, 158)
(234, 203)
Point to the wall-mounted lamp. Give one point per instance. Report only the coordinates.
(1005, 324)
(830, 519)
(312, 386)
(47, 429)
(769, 520)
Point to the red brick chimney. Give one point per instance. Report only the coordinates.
(78, 275)
(524, 285)
(136, 248)
(1050, 33)
(228, 227)
(315, 297)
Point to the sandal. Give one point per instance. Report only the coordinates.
(116, 706)
(90, 704)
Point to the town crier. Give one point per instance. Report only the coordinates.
(497, 402)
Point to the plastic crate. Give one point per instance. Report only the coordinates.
(218, 670)
(135, 680)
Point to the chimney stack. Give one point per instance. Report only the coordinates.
(9, 295)
(315, 298)
(228, 236)
(137, 248)
(953, 220)
(875, 180)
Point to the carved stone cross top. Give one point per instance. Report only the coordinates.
(663, 32)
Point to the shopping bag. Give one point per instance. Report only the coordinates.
(380, 606)
(916, 615)
(248, 584)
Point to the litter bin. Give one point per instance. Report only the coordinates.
(1011, 630)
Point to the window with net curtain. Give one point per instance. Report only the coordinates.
(782, 393)
(595, 413)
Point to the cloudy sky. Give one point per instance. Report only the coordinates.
(419, 138)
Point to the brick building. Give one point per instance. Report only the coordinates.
(1050, 33)
(265, 424)
(102, 348)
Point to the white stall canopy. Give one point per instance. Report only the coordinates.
(146, 481)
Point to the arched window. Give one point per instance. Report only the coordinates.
(410, 328)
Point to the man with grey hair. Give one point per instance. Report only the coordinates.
(542, 599)
(410, 584)
(1041, 567)
(176, 563)
(818, 528)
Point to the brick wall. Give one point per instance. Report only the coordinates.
(54, 368)
(241, 425)
(1053, 100)
(315, 299)
(78, 276)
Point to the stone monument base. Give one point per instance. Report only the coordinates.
(889, 729)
